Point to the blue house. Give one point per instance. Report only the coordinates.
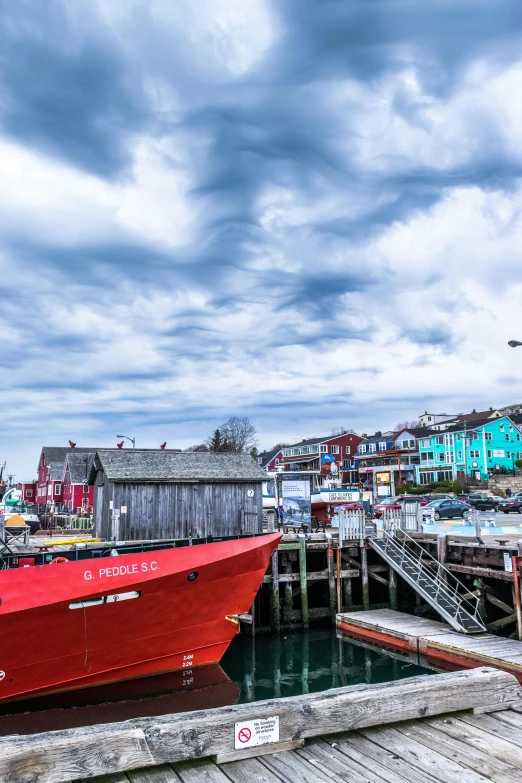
(475, 450)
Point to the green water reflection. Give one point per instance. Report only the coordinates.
(270, 666)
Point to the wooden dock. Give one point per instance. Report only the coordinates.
(463, 726)
(448, 749)
(432, 640)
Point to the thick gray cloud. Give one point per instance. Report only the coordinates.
(306, 212)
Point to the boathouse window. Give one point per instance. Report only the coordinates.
(382, 446)
(439, 439)
(425, 443)
(29, 493)
(335, 449)
(347, 450)
(305, 450)
(57, 489)
(324, 448)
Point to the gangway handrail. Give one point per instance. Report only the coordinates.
(440, 575)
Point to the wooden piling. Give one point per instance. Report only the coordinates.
(392, 588)
(275, 603)
(364, 575)
(332, 590)
(338, 577)
(442, 548)
(253, 613)
(516, 590)
(288, 598)
(348, 598)
(302, 581)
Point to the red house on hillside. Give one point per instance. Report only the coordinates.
(270, 460)
(331, 459)
(76, 492)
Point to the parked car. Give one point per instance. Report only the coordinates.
(479, 501)
(448, 509)
(513, 503)
(383, 504)
(397, 503)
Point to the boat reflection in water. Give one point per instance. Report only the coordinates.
(264, 667)
(197, 689)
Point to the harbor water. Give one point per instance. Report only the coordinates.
(253, 668)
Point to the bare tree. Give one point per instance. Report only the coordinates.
(342, 431)
(198, 447)
(406, 425)
(280, 446)
(239, 433)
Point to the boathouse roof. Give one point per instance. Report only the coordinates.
(156, 465)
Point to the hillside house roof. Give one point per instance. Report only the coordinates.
(155, 465)
(58, 453)
(312, 441)
(417, 432)
(78, 468)
(56, 471)
(476, 416)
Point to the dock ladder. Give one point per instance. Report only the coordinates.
(429, 578)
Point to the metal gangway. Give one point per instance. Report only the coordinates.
(429, 578)
(392, 538)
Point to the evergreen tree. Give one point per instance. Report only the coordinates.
(215, 442)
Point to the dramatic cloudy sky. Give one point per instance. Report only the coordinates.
(303, 211)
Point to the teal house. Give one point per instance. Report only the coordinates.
(488, 446)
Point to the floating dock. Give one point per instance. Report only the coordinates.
(436, 641)
(463, 726)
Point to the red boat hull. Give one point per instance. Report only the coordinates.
(52, 640)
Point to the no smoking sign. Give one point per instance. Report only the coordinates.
(250, 733)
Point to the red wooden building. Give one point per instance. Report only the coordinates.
(76, 492)
(270, 460)
(51, 467)
(28, 490)
(331, 458)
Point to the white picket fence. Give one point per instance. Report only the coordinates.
(352, 524)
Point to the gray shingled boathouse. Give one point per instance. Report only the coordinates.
(151, 494)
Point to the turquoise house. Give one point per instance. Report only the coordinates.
(489, 446)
